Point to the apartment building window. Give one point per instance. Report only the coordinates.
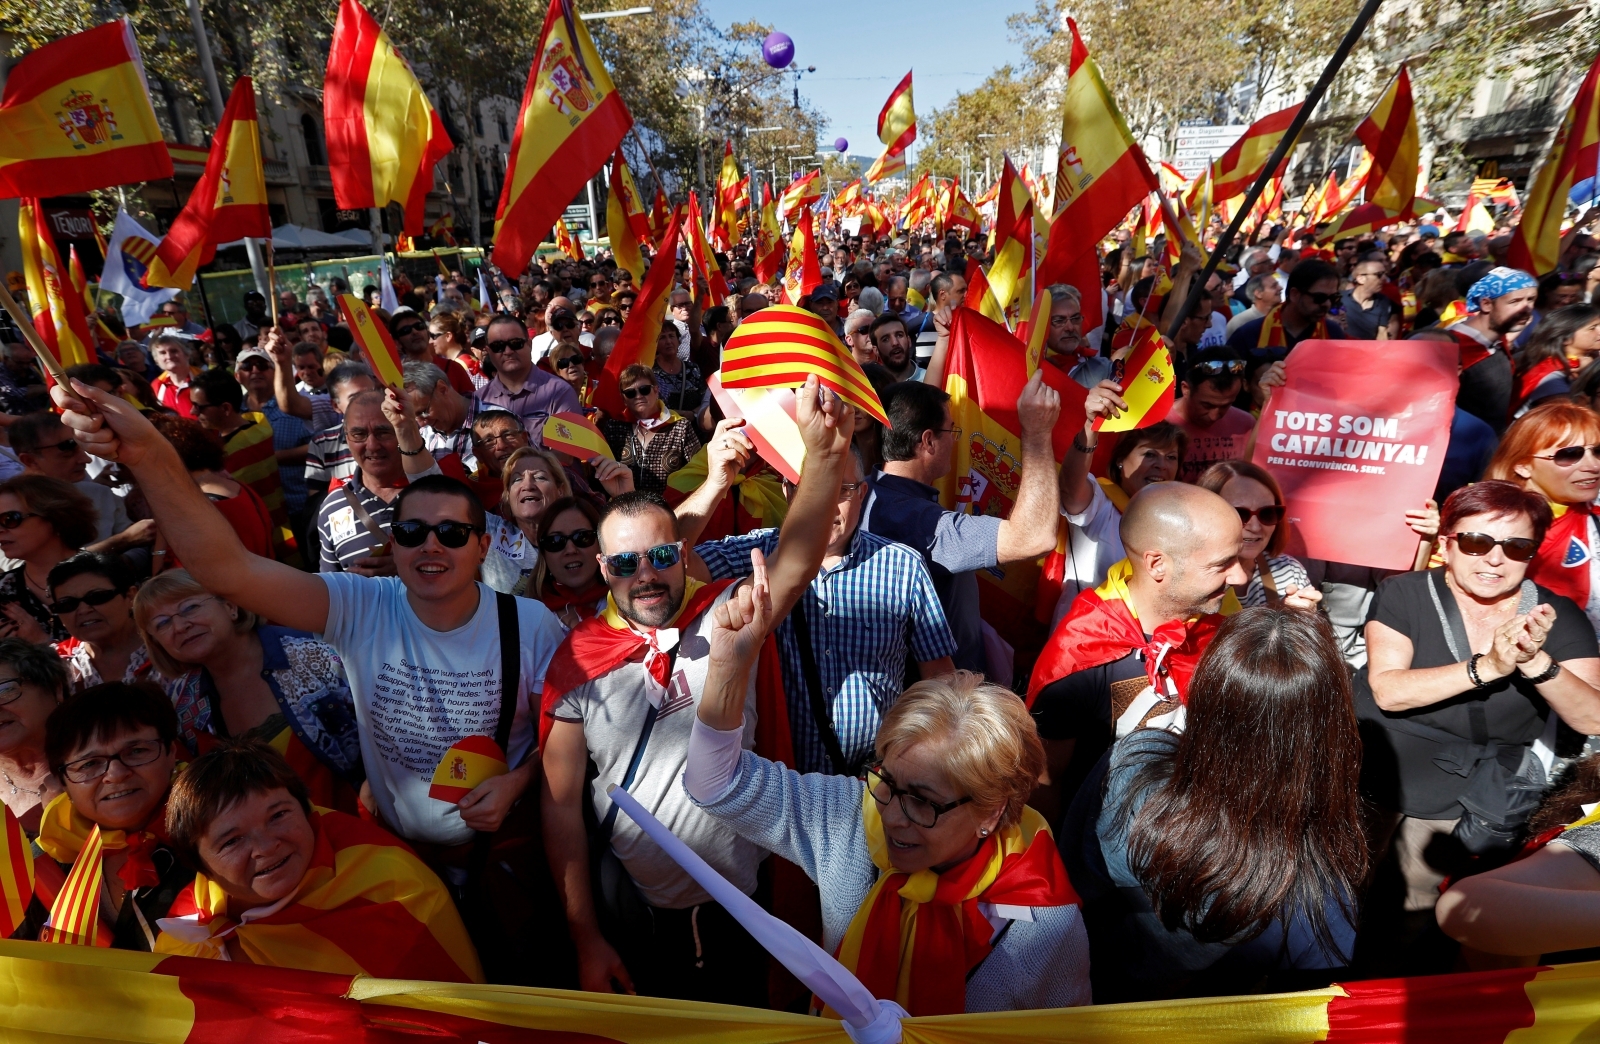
(315, 154)
(505, 134)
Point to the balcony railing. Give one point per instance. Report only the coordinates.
(1513, 123)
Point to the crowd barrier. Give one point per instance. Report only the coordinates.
(52, 994)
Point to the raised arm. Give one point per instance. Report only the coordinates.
(289, 399)
(1103, 400)
(941, 347)
(826, 425)
(111, 429)
(726, 455)
(1030, 531)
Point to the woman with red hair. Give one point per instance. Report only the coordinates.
(1554, 450)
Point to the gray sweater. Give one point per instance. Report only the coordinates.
(814, 821)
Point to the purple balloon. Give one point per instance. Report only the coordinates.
(840, 144)
(777, 50)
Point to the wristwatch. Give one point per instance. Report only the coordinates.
(1546, 674)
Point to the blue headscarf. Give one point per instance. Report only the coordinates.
(1498, 282)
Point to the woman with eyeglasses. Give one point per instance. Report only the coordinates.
(1472, 670)
(1564, 342)
(113, 748)
(43, 522)
(653, 440)
(941, 890)
(567, 579)
(1252, 491)
(1554, 450)
(231, 675)
(33, 681)
(92, 595)
(450, 337)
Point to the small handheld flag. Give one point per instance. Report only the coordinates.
(16, 874)
(1038, 329)
(769, 423)
(383, 355)
(464, 766)
(576, 436)
(1149, 386)
(780, 346)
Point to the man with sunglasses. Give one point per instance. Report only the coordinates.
(1313, 288)
(46, 447)
(518, 387)
(422, 649)
(622, 692)
(1205, 410)
(412, 337)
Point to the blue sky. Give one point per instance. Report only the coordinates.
(862, 49)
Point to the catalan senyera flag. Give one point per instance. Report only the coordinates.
(374, 340)
(802, 191)
(572, 118)
(16, 874)
(708, 286)
(76, 115)
(384, 137)
(769, 238)
(576, 436)
(58, 310)
(1101, 175)
(1236, 170)
(1148, 385)
(228, 202)
(1390, 135)
(566, 242)
(1536, 242)
(781, 346)
(466, 764)
(803, 272)
(626, 223)
(660, 212)
(1013, 240)
(637, 342)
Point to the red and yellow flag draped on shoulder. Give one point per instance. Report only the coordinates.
(637, 342)
(228, 202)
(384, 137)
(76, 115)
(366, 906)
(572, 118)
(1536, 242)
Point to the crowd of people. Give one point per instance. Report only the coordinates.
(300, 670)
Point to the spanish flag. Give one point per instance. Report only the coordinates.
(384, 137)
(372, 337)
(781, 346)
(725, 221)
(576, 436)
(803, 272)
(626, 223)
(802, 191)
(1101, 175)
(58, 312)
(1536, 243)
(1390, 135)
(469, 762)
(80, 281)
(566, 242)
(637, 342)
(769, 238)
(708, 287)
(366, 906)
(980, 294)
(848, 198)
(76, 115)
(1236, 170)
(1012, 267)
(897, 129)
(572, 119)
(228, 202)
(1148, 385)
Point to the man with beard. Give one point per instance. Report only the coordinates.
(889, 337)
(622, 692)
(385, 444)
(1122, 656)
(1498, 305)
(1312, 288)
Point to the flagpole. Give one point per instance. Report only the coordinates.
(1313, 99)
(272, 284)
(24, 322)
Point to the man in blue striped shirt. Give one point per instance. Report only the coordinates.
(872, 602)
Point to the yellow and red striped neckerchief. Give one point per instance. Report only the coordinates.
(1273, 334)
(65, 835)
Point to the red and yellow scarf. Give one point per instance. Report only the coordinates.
(1273, 334)
(1562, 562)
(1102, 627)
(918, 936)
(74, 900)
(366, 906)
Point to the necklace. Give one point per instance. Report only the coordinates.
(18, 789)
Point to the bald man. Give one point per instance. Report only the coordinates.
(1096, 679)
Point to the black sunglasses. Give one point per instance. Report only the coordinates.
(564, 324)
(626, 563)
(64, 446)
(1318, 299)
(551, 543)
(253, 364)
(1270, 515)
(1569, 455)
(69, 604)
(638, 393)
(515, 344)
(13, 519)
(414, 532)
(570, 362)
(1218, 367)
(407, 331)
(1518, 549)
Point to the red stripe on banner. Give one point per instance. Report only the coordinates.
(809, 363)
(68, 174)
(1472, 1008)
(355, 40)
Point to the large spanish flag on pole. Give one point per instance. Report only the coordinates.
(1101, 173)
(769, 239)
(626, 224)
(897, 129)
(572, 119)
(76, 116)
(708, 286)
(1390, 135)
(58, 312)
(1536, 243)
(1012, 268)
(803, 272)
(384, 136)
(801, 192)
(228, 202)
(725, 222)
(1236, 170)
